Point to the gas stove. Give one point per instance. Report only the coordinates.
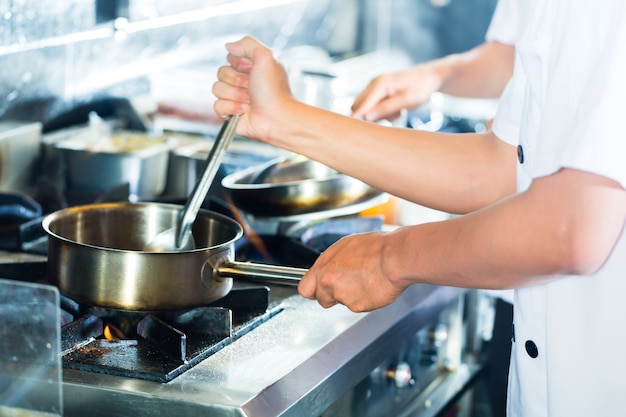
(261, 351)
(295, 359)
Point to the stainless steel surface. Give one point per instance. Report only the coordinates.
(55, 55)
(446, 386)
(302, 361)
(296, 364)
(295, 224)
(340, 227)
(425, 373)
(294, 186)
(214, 160)
(266, 274)
(86, 160)
(20, 148)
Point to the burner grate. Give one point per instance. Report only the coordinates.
(163, 345)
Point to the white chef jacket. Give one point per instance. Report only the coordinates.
(565, 108)
(506, 24)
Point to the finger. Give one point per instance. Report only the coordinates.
(225, 108)
(243, 53)
(236, 48)
(365, 104)
(245, 47)
(324, 295)
(394, 117)
(389, 108)
(307, 286)
(241, 64)
(233, 77)
(327, 303)
(225, 91)
(230, 100)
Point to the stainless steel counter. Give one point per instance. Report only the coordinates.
(296, 364)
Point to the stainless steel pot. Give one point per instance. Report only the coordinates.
(95, 256)
(186, 163)
(88, 160)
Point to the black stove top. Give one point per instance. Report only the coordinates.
(160, 346)
(156, 346)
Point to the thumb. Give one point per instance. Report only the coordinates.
(246, 47)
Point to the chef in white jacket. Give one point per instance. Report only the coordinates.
(568, 356)
(543, 196)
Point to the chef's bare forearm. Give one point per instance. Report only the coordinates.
(481, 72)
(450, 172)
(566, 223)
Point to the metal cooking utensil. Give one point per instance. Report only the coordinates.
(179, 237)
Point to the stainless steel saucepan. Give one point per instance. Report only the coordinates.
(96, 256)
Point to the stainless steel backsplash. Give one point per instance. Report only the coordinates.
(57, 54)
(54, 54)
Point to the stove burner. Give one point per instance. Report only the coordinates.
(156, 346)
(159, 346)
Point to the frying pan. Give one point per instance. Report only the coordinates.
(95, 257)
(293, 186)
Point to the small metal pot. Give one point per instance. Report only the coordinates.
(186, 163)
(85, 160)
(96, 256)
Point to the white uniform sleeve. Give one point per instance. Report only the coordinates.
(508, 118)
(505, 26)
(584, 102)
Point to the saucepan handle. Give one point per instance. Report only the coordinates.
(261, 272)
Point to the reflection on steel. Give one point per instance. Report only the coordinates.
(55, 55)
(228, 8)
